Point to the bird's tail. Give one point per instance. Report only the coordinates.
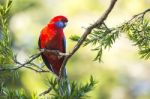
(64, 83)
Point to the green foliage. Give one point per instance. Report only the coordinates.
(78, 91)
(138, 30)
(5, 42)
(82, 90)
(102, 37)
(7, 93)
(74, 37)
(6, 54)
(15, 94)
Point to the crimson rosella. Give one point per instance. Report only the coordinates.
(52, 38)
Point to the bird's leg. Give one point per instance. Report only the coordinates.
(42, 50)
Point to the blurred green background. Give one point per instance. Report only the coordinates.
(121, 75)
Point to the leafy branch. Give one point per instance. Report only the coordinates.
(78, 91)
(102, 37)
(137, 29)
(5, 42)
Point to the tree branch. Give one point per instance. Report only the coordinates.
(142, 13)
(99, 22)
(32, 58)
(45, 92)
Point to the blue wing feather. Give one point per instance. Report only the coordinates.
(64, 44)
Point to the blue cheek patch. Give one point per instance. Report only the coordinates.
(60, 24)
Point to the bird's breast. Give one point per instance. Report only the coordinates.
(55, 43)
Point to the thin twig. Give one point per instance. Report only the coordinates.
(45, 92)
(32, 58)
(142, 13)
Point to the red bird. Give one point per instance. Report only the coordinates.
(52, 38)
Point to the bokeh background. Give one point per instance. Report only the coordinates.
(121, 75)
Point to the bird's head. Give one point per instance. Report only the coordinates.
(59, 21)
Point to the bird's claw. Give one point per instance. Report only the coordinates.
(62, 55)
(42, 50)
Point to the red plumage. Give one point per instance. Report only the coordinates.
(52, 38)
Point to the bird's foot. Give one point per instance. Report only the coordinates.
(42, 50)
(62, 55)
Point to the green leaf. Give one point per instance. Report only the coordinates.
(102, 37)
(74, 37)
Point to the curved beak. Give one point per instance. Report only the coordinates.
(65, 24)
